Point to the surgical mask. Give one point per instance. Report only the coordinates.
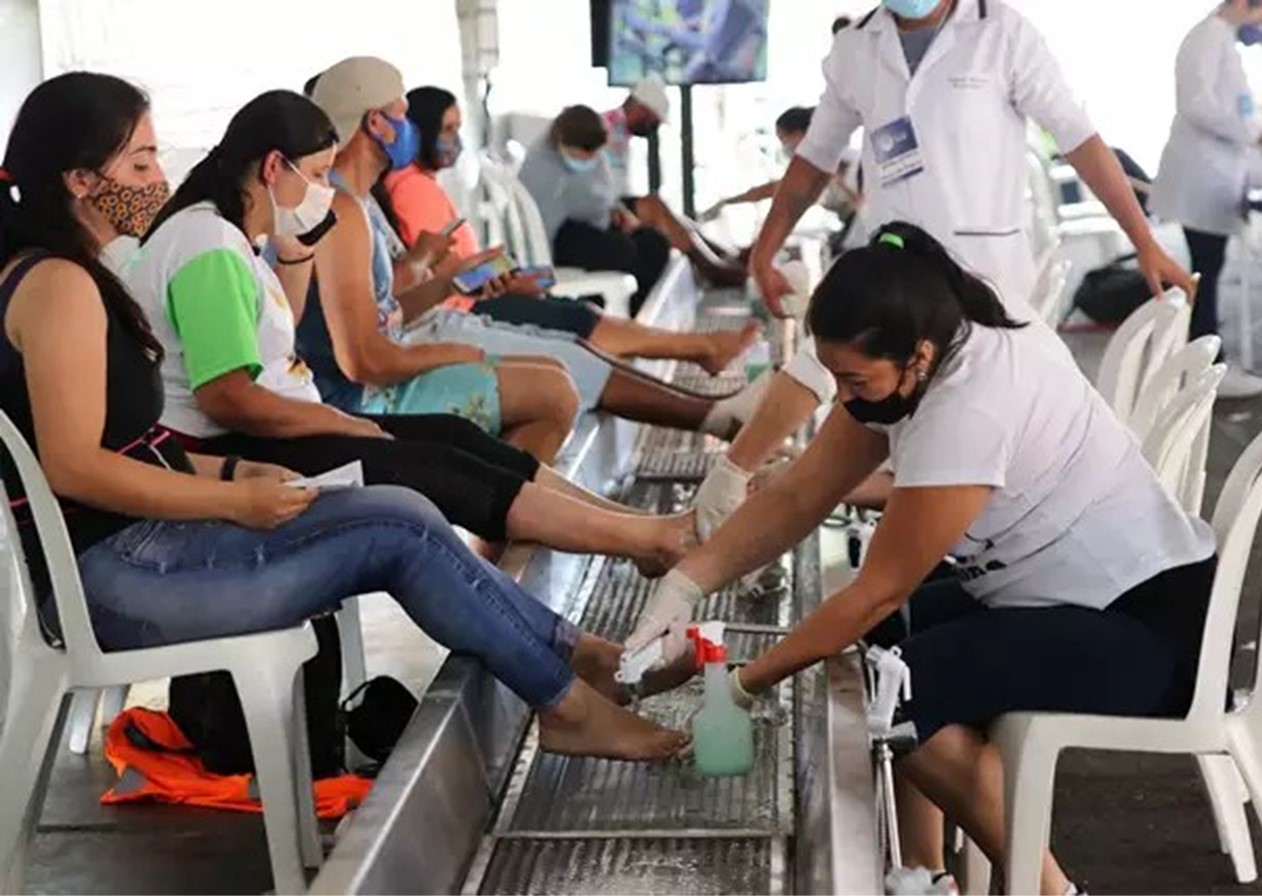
(580, 166)
(407, 140)
(130, 210)
(887, 411)
(1249, 34)
(449, 150)
(308, 214)
(911, 9)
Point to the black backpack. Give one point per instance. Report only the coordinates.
(1110, 293)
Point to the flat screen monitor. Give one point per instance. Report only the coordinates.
(688, 41)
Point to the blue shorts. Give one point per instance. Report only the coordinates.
(470, 391)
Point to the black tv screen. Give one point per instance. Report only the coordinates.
(688, 41)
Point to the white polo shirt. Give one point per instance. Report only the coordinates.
(1077, 515)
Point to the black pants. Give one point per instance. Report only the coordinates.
(548, 312)
(642, 253)
(1209, 252)
(473, 478)
(970, 664)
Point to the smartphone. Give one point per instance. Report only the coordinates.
(542, 274)
(452, 227)
(471, 281)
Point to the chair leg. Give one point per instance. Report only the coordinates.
(267, 698)
(1227, 797)
(308, 824)
(112, 702)
(26, 740)
(976, 870)
(1029, 777)
(82, 717)
(351, 633)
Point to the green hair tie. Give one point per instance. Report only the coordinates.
(892, 239)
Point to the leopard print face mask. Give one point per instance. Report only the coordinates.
(131, 209)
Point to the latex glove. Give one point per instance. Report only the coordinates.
(741, 697)
(668, 612)
(719, 495)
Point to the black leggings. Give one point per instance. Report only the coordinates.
(643, 253)
(1209, 253)
(473, 478)
(970, 664)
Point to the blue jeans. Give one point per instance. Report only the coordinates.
(162, 582)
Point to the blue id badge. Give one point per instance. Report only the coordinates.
(897, 152)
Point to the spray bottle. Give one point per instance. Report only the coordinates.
(722, 732)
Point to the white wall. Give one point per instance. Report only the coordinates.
(202, 61)
(19, 59)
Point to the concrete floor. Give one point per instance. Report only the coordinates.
(1123, 823)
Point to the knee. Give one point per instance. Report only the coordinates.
(388, 504)
(563, 398)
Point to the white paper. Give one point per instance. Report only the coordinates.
(347, 476)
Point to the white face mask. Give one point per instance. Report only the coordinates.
(308, 214)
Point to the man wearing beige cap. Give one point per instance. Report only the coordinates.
(644, 110)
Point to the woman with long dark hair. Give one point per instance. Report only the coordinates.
(1081, 585)
(235, 386)
(176, 547)
(416, 203)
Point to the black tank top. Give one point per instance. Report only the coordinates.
(133, 405)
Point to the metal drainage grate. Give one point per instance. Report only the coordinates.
(639, 866)
(675, 466)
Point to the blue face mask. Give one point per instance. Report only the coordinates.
(580, 166)
(407, 140)
(911, 9)
(1249, 34)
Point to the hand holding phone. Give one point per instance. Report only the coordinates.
(470, 282)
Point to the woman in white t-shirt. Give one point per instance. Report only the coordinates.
(1081, 585)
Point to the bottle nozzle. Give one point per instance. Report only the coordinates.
(707, 640)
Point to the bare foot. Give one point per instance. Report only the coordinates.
(669, 539)
(586, 724)
(725, 347)
(595, 660)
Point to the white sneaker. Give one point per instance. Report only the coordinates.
(1240, 384)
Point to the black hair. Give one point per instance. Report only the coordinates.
(308, 89)
(580, 127)
(841, 22)
(277, 120)
(900, 289)
(795, 119)
(426, 108)
(74, 122)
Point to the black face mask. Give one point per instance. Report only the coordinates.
(887, 411)
(312, 236)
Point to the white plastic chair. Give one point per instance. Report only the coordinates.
(526, 234)
(1177, 444)
(38, 677)
(1031, 742)
(1049, 285)
(1181, 368)
(1140, 346)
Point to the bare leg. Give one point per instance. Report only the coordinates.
(963, 774)
(561, 522)
(920, 827)
(785, 409)
(538, 404)
(713, 351)
(551, 479)
(596, 661)
(655, 213)
(652, 401)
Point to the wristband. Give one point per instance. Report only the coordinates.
(229, 469)
(285, 262)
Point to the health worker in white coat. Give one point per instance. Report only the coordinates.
(1213, 143)
(943, 89)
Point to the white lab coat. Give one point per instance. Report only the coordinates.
(986, 70)
(1204, 170)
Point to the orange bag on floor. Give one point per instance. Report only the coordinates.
(155, 761)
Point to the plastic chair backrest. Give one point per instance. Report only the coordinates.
(1180, 368)
(1043, 205)
(1177, 443)
(500, 194)
(537, 234)
(1138, 348)
(1049, 289)
(1235, 525)
(63, 569)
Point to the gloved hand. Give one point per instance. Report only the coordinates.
(719, 495)
(741, 697)
(668, 612)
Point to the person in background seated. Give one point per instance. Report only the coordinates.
(586, 224)
(352, 330)
(235, 386)
(416, 203)
(644, 110)
(840, 196)
(1082, 586)
(176, 547)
